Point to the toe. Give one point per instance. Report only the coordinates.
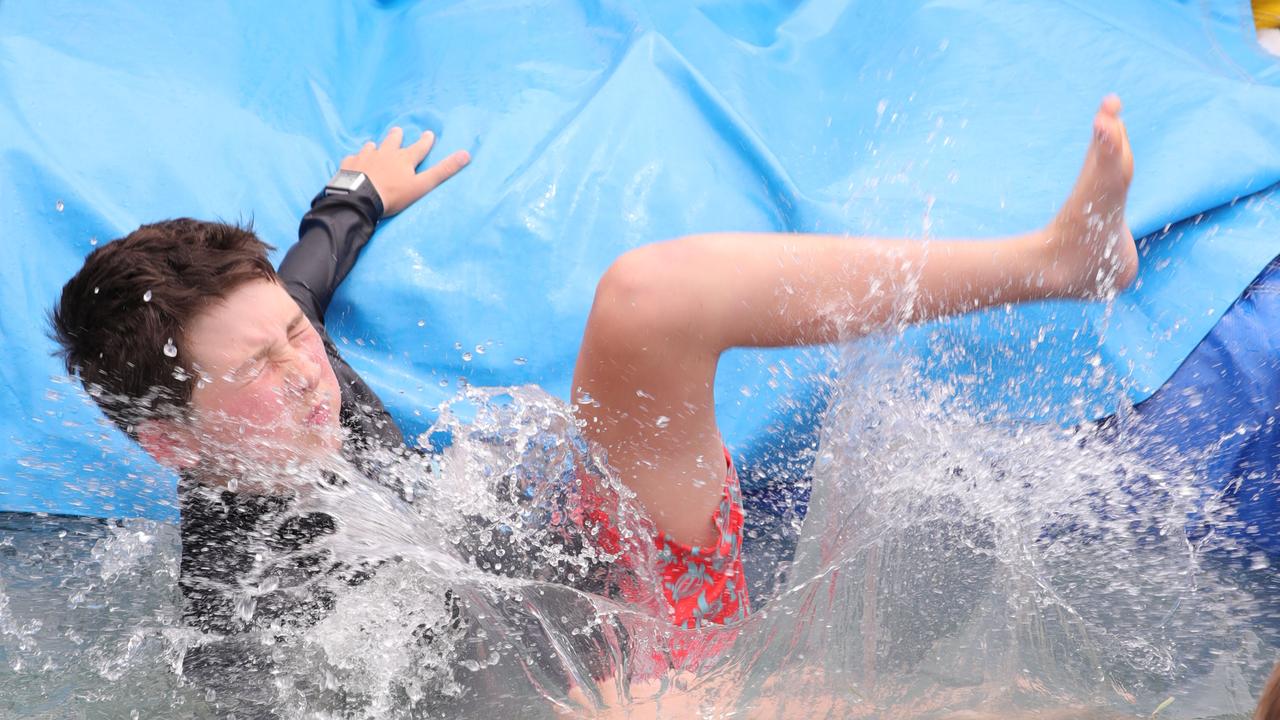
(1122, 133)
(1104, 130)
(1111, 104)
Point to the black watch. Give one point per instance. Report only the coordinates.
(346, 182)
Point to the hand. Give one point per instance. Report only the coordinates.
(393, 170)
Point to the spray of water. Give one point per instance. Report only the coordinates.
(952, 563)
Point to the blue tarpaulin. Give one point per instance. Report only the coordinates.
(597, 126)
(1217, 417)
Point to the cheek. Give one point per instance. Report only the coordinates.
(258, 406)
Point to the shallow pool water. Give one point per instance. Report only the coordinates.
(949, 564)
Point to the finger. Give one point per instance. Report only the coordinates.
(431, 178)
(393, 139)
(420, 149)
(367, 148)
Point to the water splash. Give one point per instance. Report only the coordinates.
(951, 561)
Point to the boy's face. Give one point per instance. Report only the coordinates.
(268, 393)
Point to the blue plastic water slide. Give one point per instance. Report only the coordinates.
(597, 126)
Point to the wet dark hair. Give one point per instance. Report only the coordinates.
(120, 321)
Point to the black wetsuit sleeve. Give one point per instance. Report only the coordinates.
(329, 241)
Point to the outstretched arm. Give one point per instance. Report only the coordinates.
(339, 225)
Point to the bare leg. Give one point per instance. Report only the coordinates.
(664, 313)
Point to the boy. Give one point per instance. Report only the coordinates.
(192, 343)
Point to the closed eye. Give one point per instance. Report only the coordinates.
(253, 368)
(257, 367)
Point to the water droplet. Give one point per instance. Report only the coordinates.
(146, 296)
(466, 357)
(170, 350)
(662, 421)
(95, 291)
(520, 361)
(93, 241)
(457, 346)
(59, 206)
(479, 349)
(422, 323)
(245, 605)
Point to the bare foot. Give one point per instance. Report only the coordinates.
(1091, 251)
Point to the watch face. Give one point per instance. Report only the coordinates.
(347, 180)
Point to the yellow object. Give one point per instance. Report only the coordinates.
(1266, 13)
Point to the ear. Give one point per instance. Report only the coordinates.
(170, 443)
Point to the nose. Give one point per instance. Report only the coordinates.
(304, 372)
